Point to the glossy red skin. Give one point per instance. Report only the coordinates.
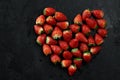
(48, 28)
(37, 29)
(91, 41)
(81, 37)
(63, 44)
(67, 35)
(73, 43)
(51, 41)
(77, 53)
(63, 25)
(91, 23)
(83, 47)
(101, 23)
(102, 32)
(78, 63)
(50, 20)
(40, 20)
(78, 19)
(87, 57)
(98, 39)
(71, 70)
(66, 63)
(74, 28)
(55, 58)
(95, 49)
(67, 55)
(98, 13)
(57, 33)
(56, 49)
(85, 29)
(49, 11)
(41, 39)
(46, 49)
(59, 16)
(86, 14)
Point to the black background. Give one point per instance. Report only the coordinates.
(21, 58)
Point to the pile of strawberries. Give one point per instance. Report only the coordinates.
(71, 45)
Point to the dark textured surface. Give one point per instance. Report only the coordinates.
(21, 58)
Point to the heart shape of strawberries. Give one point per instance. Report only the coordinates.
(70, 44)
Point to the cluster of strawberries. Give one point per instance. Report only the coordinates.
(71, 45)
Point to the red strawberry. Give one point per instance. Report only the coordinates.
(57, 33)
(85, 29)
(40, 20)
(59, 16)
(67, 35)
(95, 49)
(49, 11)
(91, 41)
(46, 49)
(101, 23)
(87, 57)
(98, 13)
(63, 25)
(77, 62)
(63, 45)
(86, 14)
(102, 32)
(83, 47)
(50, 20)
(91, 23)
(98, 39)
(67, 55)
(50, 40)
(74, 28)
(72, 69)
(81, 37)
(38, 29)
(73, 43)
(56, 49)
(66, 63)
(41, 39)
(78, 19)
(48, 28)
(55, 58)
(76, 52)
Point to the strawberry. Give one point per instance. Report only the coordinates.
(81, 37)
(74, 28)
(77, 62)
(57, 33)
(56, 49)
(50, 20)
(46, 49)
(91, 23)
(87, 57)
(91, 41)
(102, 32)
(50, 40)
(63, 25)
(83, 47)
(95, 49)
(48, 28)
(72, 69)
(78, 19)
(85, 29)
(86, 14)
(59, 16)
(67, 55)
(49, 11)
(67, 35)
(76, 52)
(101, 23)
(55, 58)
(38, 29)
(63, 45)
(40, 20)
(41, 39)
(98, 39)
(73, 43)
(66, 63)
(98, 13)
